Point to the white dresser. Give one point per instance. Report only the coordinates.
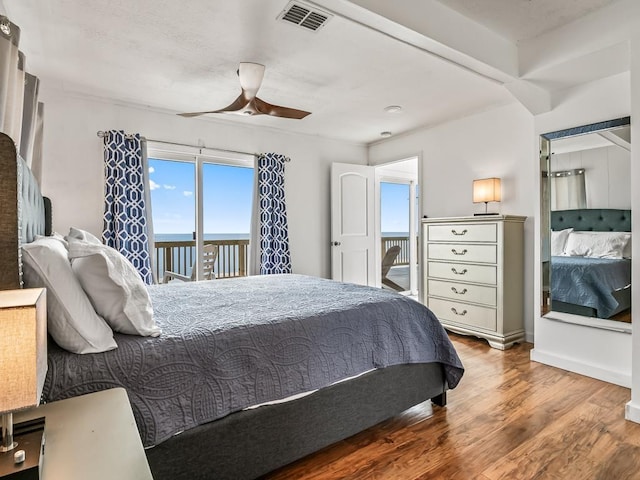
(473, 269)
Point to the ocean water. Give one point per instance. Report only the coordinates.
(181, 237)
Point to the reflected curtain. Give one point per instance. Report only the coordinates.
(269, 230)
(20, 111)
(125, 206)
(568, 190)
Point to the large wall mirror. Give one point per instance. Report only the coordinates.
(586, 224)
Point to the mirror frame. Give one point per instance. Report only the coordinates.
(545, 220)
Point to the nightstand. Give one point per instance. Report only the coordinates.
(92, 436)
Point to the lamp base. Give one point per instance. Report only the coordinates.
(483, 214)
(30, 438)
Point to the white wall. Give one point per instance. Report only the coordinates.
(583, 349)
(73, 167)
(633, 407)
(496, 143)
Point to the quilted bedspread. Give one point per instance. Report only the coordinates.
(230, 344)
(589, 282)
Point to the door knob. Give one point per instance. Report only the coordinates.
(336, 244)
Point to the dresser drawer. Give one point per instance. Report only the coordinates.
(464, 314)
(467, 273)
(463, 252)
(463, 232)
(462, 292)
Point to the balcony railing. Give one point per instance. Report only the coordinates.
(403, 243)
(180, 256)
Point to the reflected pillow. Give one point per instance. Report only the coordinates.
(71, 320)
(559, 241)
(597, 244)
(114, 287)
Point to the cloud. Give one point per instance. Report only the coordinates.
(151, 169)
(169, 187)
(187, 193)
(153, 185)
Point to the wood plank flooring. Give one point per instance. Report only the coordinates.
(509, 418)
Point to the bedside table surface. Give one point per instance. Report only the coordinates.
(92, 436)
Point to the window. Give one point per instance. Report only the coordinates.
(198, 197)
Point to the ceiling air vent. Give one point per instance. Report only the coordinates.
(304, 16)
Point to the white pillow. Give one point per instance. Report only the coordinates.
(559, 241)
(57, 236)
(597, 244)
(83, 235)
(71, 320)
(626, 253)
(114, 287)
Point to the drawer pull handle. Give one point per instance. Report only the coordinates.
(459, 273)
(455, 290)
(455, 252)
(462, 314)
(463, 232)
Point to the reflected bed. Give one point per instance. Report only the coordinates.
(589, 286)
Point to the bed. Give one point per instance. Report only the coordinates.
(585, 285)
(369, 365)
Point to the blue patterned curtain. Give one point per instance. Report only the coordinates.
(125, 215)
(274, 235)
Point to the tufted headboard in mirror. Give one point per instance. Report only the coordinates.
(23, 213)
(592, 219)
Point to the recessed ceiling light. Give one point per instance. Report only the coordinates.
(385, 134)
(393, 109)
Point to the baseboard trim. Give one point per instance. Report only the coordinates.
(632, 412)
(588, 370)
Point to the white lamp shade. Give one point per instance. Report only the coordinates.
(486, 190)
(23, 348)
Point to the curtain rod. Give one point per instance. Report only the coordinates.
(103, 134)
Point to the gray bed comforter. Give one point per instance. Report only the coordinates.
(589, 282)
(230, 344)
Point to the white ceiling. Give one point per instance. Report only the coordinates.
(524, 19)
(182, 57)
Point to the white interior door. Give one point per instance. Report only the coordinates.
(353, 224)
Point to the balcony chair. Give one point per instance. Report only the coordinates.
(209, 256)
(387, 263)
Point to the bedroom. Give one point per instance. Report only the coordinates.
(584, 79)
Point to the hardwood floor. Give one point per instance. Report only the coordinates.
(509, 418)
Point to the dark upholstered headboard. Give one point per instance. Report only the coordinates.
(22, 212)
(592, 219)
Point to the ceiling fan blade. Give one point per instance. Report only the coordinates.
(237, 105)
(278, 111)
(250, 75)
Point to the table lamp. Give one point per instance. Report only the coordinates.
(23, 366)
(486, 190)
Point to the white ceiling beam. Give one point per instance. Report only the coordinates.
(437, 29)
(534, 98)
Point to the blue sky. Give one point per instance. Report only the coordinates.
(227, 198)
(394, 208)
(228, 195)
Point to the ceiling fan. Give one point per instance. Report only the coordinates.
(250, 75)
